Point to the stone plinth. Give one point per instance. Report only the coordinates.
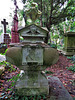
(32, 82)
(69, 43)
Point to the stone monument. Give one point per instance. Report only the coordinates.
(69, 43)
(32, 12)
(30, 56)
(4, 23)
(5, 38)
(14, 29)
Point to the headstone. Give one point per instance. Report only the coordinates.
(5, 38)
(69, 43)
(4, 24)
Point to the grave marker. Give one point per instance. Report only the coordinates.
(4, 24)
(5, 37)
(69, 43)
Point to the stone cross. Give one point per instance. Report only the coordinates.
(4, 24)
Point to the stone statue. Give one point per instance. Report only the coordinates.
(32, 12)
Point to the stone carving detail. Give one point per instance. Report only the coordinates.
(33, 12)
(32, 55)
(33, 29)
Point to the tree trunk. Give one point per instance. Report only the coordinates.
(41, 15)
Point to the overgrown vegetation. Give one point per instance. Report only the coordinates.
(48, 72)
(71, 68)
(35, 97)
(8, 66)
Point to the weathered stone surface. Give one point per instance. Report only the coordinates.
(57, 90)
(2, 68)
(69, 44)
(34, 34)
(14, 55)
(32, 83)
(32, 55)
(51, 56)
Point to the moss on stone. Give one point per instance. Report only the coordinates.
(51, 56)
(14, 55)
(31, 91)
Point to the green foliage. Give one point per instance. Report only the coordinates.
(8, 30)
(0, 33)
(3, 49)
(35, 97)
(8, 66)
(15, 78)
(73, 98)
(4, 53)
(53, 45)
(2, 63)
(21, 38)
(69, 57)
(56, 36)
(48, 72)
(71, 68)
(54, 12)
(11, 68)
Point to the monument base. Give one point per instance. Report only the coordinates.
(56, 90)
(32, 83)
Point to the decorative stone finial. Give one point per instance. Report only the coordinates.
(33, 12)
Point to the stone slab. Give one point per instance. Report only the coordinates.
(57, 90)
(68, 53)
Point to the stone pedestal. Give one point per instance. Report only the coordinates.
(33, 82)
(69, 43)
(31, 56)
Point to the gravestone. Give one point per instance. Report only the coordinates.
(32, 82)
(4, 24)
(29, 55)
(69, 43)
(5, 38)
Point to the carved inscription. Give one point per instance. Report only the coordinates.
(32, 55)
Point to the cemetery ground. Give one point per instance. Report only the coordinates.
(64, 69)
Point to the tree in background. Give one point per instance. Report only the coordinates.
(54, 14)
(54, 11)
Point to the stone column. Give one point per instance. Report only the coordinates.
(14, 30)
